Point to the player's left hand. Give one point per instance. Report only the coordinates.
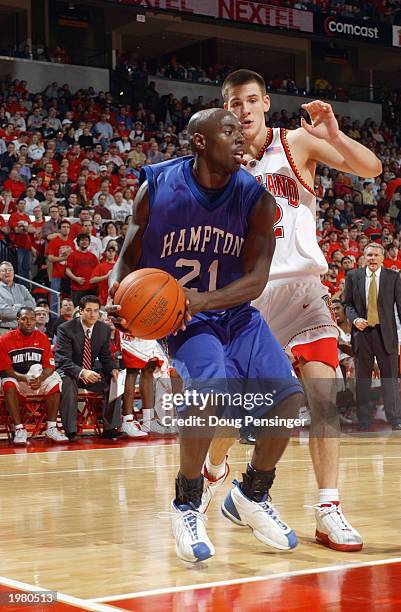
(114, 374)
(324, 124)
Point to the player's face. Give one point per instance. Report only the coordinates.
(249, 104)
(339, 312)
(26, 322)
(225, 146)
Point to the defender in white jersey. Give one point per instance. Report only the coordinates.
(295, 303)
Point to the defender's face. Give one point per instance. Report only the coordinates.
(249, 104)
(225, 146)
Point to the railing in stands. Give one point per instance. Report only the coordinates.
(27, 281)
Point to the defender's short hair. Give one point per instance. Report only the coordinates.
(242, 77)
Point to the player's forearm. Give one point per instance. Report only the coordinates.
(13, 374)
(241, 291)
(361, 161)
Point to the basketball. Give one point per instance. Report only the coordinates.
(152, 303)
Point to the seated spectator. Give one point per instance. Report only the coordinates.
(42, 319)
(81, 343)
(154, 155)
(43, 303)
(29, 372)
(66, 314)
(13, 297)
(110, 233)
(391, 259)
(120, 209)
(137, 158)
(80, 264)
(101, 207)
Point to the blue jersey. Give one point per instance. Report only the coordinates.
(198, 241)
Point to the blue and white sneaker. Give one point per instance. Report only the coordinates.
(261, 517)
(191, 541)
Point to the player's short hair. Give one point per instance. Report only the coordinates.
(88, 299)
(242, 77)
(27, 308)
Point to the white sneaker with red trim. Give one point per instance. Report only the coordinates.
(210, 486)
(333, 529)
(132, 429)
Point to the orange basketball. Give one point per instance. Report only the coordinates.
(152, 303)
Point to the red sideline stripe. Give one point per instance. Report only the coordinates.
(364, 589)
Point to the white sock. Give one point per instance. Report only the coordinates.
(127, 418)
(216, 471)
(328, 495)
(148, 414)
(51, 424)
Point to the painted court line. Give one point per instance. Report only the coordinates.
(86, 450)
(81, 604)
(170, 465)
(222, 583)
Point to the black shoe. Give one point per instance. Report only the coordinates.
(111, 434)
(72, 436)
(396, 427)
(249, 439)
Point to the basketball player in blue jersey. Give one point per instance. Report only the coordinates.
(209, 223)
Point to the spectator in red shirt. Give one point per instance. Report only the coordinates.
(20, 224)
(101, 273)
(78, 228)
(80, 265)
(37, 238)
(374, 230)
(20, 350)
(58, 250)
(15, 185)
(391, 261)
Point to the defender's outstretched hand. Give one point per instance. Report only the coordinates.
(324, 124)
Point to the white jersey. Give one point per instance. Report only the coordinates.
(297, 252)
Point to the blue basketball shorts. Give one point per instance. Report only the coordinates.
(233, 353)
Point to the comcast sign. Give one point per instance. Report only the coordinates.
(333, 27)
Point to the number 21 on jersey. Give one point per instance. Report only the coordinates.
(196, 270)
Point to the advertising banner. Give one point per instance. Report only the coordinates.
(243, 11)
(333, 26)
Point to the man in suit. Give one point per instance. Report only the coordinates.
(369, 297)
(80, 343)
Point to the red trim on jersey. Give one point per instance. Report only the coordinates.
(267, 144)
(284, 142)
(323, 350)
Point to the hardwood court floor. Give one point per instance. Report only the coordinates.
(90, 523)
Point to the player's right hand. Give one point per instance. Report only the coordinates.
(113, 310)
